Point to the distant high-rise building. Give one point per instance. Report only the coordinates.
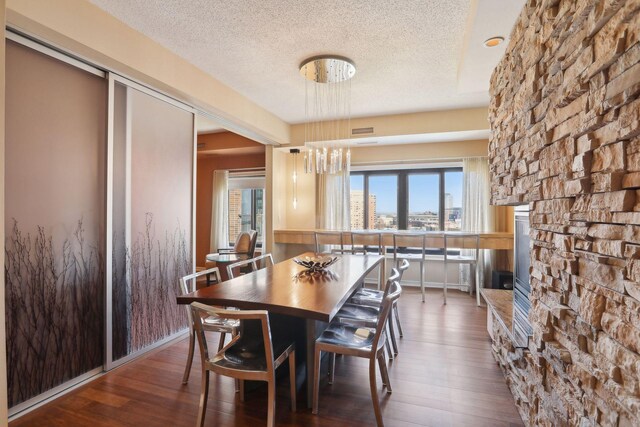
(452, 215)
(373, 214)
(235, 214)
(358, 211)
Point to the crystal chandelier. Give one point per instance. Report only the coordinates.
(328, 113)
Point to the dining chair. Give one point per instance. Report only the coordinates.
(373, 298)
(410, 247)
(210, 324)
(246, 357)
(469, 244)
(359, 341)
(240, 267)
(328, 238)
(262, 261)
(367, 315)
(245, 244)
(249, 265)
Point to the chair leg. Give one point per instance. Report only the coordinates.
(374, 391)
(392, 335)
(382, 361)
(271, 408)
(292, 379)
(422, 279)
(204, 397)
(476, 272)
(387, 347)
(234, 332)
(316, 381)
(332, 367)
(384, 372)
(241, 392)
(395, 312)
(446, 279)
(221, 341)
(187, 369)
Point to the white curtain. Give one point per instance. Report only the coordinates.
(477, 214)
(220, 211)
(333, 205)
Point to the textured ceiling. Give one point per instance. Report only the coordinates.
(407, 52)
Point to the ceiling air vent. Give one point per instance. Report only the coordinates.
(366, 142)
(361, 131)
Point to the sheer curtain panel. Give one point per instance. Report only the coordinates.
(477, 214)
(333, 204)
(219, 211)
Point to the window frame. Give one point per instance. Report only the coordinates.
(402, 191)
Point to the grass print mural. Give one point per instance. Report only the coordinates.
(54, 310)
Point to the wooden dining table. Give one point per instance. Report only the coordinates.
(300, 303)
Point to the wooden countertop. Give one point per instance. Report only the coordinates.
(493, 240)
(500, 302)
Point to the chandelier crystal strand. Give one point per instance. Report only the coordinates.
(328, 114)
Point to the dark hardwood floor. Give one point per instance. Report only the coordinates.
(444, 376)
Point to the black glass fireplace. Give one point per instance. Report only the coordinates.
(521, 287)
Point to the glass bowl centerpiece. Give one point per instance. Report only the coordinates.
(315, 263)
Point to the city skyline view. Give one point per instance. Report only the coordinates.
(386, 192)
(423, 201)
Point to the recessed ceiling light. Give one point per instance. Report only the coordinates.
(493, 41)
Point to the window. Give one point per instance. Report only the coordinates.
(424, 201)
(246, 206)
(382, 202)
(415, 199)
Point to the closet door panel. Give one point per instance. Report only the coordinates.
(55, 159)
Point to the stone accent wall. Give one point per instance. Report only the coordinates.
(565, 119)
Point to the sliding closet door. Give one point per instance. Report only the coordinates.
(54, 210)
(152, 145)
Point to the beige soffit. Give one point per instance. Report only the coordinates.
(432, 126)
(80, 27)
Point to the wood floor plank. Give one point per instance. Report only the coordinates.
(445, 375)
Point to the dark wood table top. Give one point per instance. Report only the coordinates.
(286, 288)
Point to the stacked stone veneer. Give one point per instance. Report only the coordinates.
(565, 119)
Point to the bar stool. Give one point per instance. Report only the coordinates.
(329, 238)
(460, 241)
(370, 242)
(410, 247)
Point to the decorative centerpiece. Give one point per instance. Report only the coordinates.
(316, 263)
